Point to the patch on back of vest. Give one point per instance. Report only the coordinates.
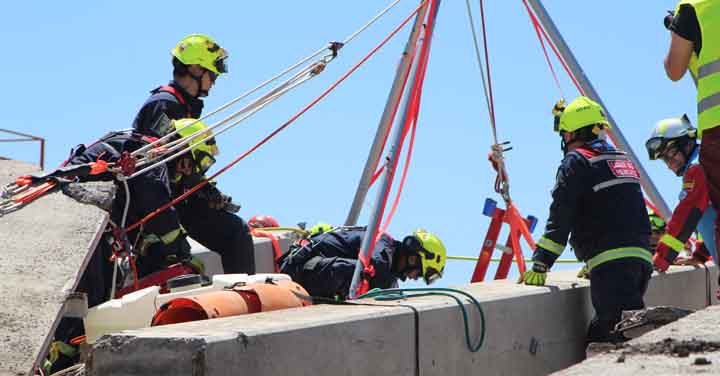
(623, 169)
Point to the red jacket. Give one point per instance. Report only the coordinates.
(694, 199)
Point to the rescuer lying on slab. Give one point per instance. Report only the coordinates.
(673, 141)
(324, 262)
(597, 201)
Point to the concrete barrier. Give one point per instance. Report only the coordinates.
(264, 254)
(529, 331)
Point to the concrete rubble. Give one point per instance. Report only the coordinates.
(45, 245)
(689, 346)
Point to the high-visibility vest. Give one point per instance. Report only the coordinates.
(706, 67)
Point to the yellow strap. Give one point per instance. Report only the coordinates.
(672, 242)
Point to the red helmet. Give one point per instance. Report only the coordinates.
(259, 221)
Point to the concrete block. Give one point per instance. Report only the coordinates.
(319, 340)
(264, 253)
(529, 331)
(46, 245)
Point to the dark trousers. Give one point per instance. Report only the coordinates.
(710, 162)
(616, 286)
(221, 232)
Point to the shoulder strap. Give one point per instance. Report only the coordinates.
(175, 93)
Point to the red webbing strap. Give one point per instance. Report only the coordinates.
(538, 27)
(380, 169)
(415, 90)
(279, 129)
(277, 249)
(175, 93)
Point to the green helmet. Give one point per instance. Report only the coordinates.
(580, 113)
(203, 146)
(201, 50)
(432, 255)
(656, 223)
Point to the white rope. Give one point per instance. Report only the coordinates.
(372, 21)
(273, 79)
(186, 140)
(186, 143)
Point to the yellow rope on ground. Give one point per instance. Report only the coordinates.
(470, 258)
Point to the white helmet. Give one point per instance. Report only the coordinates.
(669, 132)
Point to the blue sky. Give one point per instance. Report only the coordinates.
(73, 71)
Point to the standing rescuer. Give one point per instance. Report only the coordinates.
(597, 201)
(197, 62)
(693, 46)
(324, 263)
(673, 141)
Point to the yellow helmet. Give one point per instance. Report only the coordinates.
(203, 146)
(432, 254)
(201, 50)
(656, 223)
(580, 113)
(320, 228)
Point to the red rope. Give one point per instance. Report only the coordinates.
(279, 129)
(538, 27)
(487, 66)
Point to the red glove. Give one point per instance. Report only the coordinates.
(660, 263)
(663, 253)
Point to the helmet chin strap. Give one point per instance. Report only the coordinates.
(198, 81)
(688, 159)
(564, 144)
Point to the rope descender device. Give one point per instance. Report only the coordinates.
(497, 159)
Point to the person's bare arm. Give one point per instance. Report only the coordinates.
(678, 57)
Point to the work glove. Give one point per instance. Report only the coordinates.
(668, 20)
(537, 275)
(662, 254)
(219, 201)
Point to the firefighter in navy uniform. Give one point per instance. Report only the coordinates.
(674, 141)
(598, 202)
(160, 242)
(324, 263)
(162, 239)
(197, 62)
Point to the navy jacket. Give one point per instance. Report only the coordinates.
(598, 202)
(160, 102)
(324, 264)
